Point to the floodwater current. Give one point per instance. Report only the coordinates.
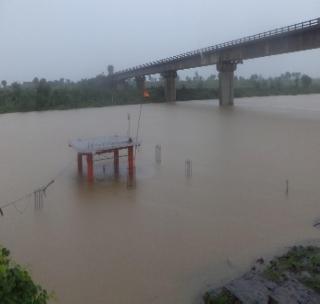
(171, 237)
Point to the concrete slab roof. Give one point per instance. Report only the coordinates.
(102, 144)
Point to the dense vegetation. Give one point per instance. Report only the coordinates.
(99, 91)
(286, 84)
(16, 285)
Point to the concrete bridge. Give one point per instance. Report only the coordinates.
(298, 37)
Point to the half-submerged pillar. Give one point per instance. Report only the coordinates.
(80, 164)
(226, 79)
(170, 85)
(130, 163)
(90, 167)
(141, 84)
(116, 162)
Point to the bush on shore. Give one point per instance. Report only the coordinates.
(16, 284)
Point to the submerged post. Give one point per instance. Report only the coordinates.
(188, 168)
(226, 79)
(170, 85)
(158, 154)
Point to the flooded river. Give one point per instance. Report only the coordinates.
(169, 238)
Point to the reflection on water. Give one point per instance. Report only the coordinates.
(170, 237)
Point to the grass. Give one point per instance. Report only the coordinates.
(223, 297)
(302, 263)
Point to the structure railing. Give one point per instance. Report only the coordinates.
(232, 43)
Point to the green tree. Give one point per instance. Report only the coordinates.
(296, 79)
(35, 81)
(4, 83)
(16, 91)
(110, 69)
(306, 81)
(43, 93)
(16, 285)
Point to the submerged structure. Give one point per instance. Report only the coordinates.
(97, 146)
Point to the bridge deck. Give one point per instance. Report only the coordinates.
(204, 56)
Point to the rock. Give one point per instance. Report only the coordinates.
(286, 280)
(251, 288)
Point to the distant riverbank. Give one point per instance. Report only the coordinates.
(117, 101)
(40, 95)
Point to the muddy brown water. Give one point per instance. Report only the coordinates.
(170, 238)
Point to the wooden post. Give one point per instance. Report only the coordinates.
(90, 167)
(80, 164)
(130, 163)
(116, 162)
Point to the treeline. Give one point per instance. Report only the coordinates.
(62, 94)
(41, 94)
(256, 85)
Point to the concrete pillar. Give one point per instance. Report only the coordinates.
(116, 162)
(130, 163)
(141, 84)
(80, 163)
(226, 76)
(90, 167)
(170, 85)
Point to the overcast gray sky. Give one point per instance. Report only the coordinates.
(78, 38)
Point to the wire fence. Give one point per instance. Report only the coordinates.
(38, 195)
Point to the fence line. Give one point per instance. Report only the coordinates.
(38, 195)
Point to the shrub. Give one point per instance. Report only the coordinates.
(16, 284)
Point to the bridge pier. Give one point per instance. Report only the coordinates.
(226, 79)
(170, 85)
(141, 84)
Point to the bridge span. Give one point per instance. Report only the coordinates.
(298, 37)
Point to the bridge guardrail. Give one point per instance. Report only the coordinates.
(214, 48)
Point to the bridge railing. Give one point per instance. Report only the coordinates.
(215, 48)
